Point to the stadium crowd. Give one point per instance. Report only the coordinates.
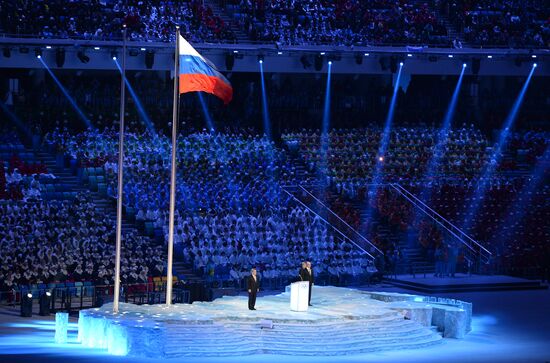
(62, 241)
(348, 22)
(233, 212)
(514, 23)
(151, 20)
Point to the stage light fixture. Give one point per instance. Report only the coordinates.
(534, 65)
(533, 56)
(114, 54)
(149, 59)
(230, 60)
(464, 65)
(329, 63)
(384, 63)
(26, 305)
(319, 58)
(6, 52)
(490, 56)
(401, 64)
(48, 47)
(380, 158)
(450, 56)
(260, 58)
(38, 52)
(81, 55)
(60, 57)
(367, 54)
(393, 64)
(280, 53)
(305, 61)
(142, 49)
(409, 55)
(97, 48)
(44, 302)
(476, 64)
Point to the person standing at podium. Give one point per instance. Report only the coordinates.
(253, 287)
(305, 275)
(310, 273)
(303, 272)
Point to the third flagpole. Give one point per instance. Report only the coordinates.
(120, 176)
(173, 172)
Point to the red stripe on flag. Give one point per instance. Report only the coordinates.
(205, 83)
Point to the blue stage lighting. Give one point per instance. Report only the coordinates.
(438, 150)
(205, 113)
(464, 65)
(495, 157)
(141, 110)
(67, 95)
(401, 64)
(267, 122)
(534, 65)
(326, 124)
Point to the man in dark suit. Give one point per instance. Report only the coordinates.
(303, 273)
(310, 273)
(253, 287)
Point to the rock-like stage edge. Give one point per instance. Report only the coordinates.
(342, 321)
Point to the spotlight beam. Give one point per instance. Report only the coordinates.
(385, 140)
(326, 123)
(15, 120)
(441, 141)
(492, 165)
(141, 110)
(437, 153)
(267, 122)
(66, 93)
(525, 197)
(205, 113)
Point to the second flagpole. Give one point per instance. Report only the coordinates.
(173, 172)
(120, 176)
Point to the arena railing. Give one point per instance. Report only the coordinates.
(474, 247)
(21, 40)
(85, 297)
(360, 241)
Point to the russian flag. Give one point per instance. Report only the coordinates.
(198, 74)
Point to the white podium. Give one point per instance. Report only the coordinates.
(299, 293)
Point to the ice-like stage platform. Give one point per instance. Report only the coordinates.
(342, 321)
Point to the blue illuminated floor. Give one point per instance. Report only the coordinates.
(507, 327)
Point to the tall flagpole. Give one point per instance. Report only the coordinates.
(120, 169)
(173, 171)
